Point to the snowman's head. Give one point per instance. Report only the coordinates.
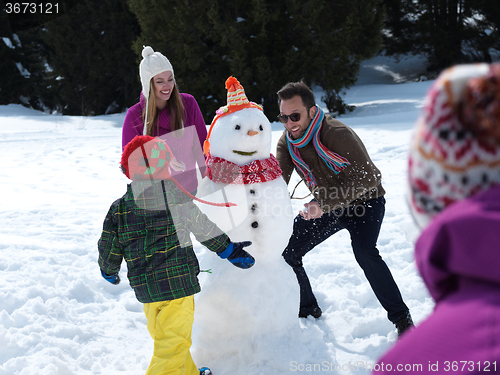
(240, 132)
(241, 137)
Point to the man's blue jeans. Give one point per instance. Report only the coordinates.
(363, 222)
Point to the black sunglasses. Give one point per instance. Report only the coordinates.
(292, 116)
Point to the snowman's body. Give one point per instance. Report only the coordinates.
(238, 305)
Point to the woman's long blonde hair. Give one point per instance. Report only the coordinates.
(174, 106)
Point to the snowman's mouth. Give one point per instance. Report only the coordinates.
(244, 153)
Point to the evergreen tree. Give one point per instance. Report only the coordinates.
(11, 79)
(336, 37)
(264, 43)
(484, 37)
(21, 80)
(94, 70)
(201, 45)
(24, 55)
(399, 30)
(447, 32)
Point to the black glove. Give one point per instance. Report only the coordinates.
(237, 256)
(113, 279)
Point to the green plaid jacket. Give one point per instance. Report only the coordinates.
(150, 227)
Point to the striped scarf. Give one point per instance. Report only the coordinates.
(334, 161)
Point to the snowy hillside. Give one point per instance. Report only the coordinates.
(59, 174)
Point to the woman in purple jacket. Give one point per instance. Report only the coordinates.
(454, 177)
(170, 115)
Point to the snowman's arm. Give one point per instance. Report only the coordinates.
(199, 122)
(205, 231)
(284, 159)
(200, 157)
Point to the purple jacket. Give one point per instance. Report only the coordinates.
(458, 257)
(188, 148)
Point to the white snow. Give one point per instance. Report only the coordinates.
(58, 176)
(25, 73)
(8, 42)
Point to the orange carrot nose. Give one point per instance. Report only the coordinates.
(251, 133)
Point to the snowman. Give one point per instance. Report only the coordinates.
(240, 313)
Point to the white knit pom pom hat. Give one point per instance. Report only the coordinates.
(152, 63)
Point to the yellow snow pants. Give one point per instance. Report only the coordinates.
(170, 324)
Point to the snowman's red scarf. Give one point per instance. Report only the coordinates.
(221, 170)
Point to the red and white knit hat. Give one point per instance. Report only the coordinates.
(146, 158)
(455, 150)
(236, 100)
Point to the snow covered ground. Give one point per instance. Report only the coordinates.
(58, 176)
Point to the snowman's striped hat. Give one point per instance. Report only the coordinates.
(236, 100)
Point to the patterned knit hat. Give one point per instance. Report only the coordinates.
(146, 158)
(236, 100)
(455, 150)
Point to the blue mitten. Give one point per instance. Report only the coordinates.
(237, 256)
(113, 279)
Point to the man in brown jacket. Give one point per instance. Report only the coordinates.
(347, 194)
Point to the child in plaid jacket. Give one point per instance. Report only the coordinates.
(149, 227)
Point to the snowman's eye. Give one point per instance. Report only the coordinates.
(261, 128)
(237, 127)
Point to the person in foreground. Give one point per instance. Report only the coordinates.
(150, 228)
(347, 194)
(454, 181)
